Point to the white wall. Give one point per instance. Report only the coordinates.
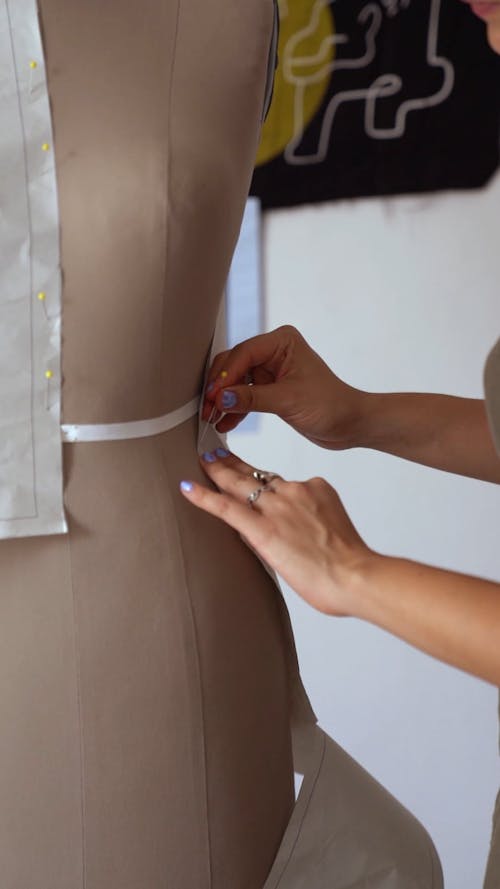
(399, 294)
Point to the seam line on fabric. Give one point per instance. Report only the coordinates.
(76, 639)
(168, 176)
(176, 534)
(305, 812)
(169, 167)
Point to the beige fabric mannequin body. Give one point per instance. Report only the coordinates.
(147, 674)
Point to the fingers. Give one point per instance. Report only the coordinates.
(229, 422)
(208, 412)
(259, 350)
(301, 529)
(218, 365)
(271, 399)
(235, 481)
(224, 507)
(215, 377)
(262, 356)
(238, 479)
(233, 476)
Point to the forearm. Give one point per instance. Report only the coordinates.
(452, 617)
(436, 430)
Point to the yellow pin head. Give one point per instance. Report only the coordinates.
(224, 374)
(49, 374)
(45, 146)
(33, 64)
(42, 296)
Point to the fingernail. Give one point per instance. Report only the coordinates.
(210, 387)
(187, 487)
(209, 458)
(221, 452)
(229, 400)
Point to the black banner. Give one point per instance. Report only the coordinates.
(379, 98)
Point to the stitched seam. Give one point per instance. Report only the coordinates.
(175, 534)
(78, 683)
(168, 175)
(304, 815)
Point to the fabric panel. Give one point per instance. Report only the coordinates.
(30, 286)
(347, 831)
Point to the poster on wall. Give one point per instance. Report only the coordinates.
(378, 97)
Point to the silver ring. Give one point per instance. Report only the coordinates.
(264, 477)
(254, 496)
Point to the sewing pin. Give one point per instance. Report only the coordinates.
(48, 376)
(33, 67)
(42, 298)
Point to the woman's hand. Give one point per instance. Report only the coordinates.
(289, 380)
(293, 382)
(300, 529)
(304, 533)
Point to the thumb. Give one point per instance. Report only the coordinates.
(266, 399)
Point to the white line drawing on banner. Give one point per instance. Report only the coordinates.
(404, 110)
(392, 7)
(385, 86)
(370, 15)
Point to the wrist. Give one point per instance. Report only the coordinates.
(353, 586)
(370, 419)
(363, 585)
(351, 424)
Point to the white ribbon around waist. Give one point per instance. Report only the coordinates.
(135, 429)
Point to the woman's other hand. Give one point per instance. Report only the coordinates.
(303, 531)
(300, 529)
(289, 380)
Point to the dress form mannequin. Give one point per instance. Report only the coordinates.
(135, 720)
(145, 663)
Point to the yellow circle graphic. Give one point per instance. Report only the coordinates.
(306, 54)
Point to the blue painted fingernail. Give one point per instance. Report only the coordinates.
(209, 458)
(221, 452)
(210, 387)
(229, 400)
(187, 487)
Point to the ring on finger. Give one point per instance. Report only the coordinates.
(254, 496)
(265, 478)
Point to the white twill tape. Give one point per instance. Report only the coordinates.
(134, 429)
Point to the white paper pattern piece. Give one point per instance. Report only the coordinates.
(31, 500)
(244, 292)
